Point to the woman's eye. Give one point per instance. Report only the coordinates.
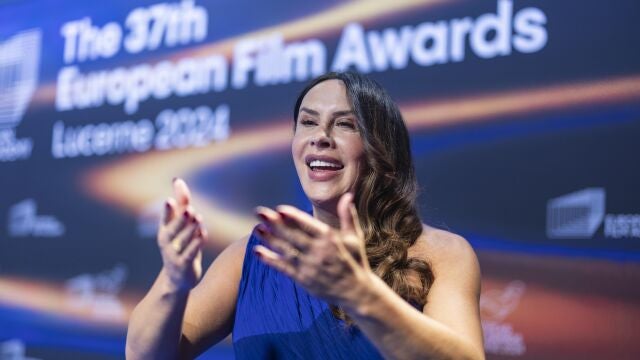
(347, 124)
(307, 122)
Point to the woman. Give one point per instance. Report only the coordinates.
(361, 277)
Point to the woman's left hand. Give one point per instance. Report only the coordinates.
(330, 263)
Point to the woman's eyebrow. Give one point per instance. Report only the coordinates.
(335, 113)
(307, 110)
(343, 112)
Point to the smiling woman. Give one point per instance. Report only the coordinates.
(378, 171)
(327, 148)
(360, 277)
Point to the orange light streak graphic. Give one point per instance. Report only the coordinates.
(139, 180)
(53, 299)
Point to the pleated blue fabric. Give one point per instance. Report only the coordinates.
(278, 319)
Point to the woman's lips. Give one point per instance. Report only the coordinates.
(322, 167)
(322, 174)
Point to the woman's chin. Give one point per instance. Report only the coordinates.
(325, 202)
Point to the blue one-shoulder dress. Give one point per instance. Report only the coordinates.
(278, 319)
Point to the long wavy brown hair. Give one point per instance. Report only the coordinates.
(387, 189)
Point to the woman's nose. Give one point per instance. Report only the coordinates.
(321, 139)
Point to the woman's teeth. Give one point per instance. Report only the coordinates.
(323, 165)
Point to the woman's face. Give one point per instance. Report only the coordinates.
(327, 148)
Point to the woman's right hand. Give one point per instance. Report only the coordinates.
(180, 238)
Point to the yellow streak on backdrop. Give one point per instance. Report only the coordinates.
(139, 180)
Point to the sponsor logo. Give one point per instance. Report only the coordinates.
(495, 306)
(576, 215)
(580, 214)
(19, 63)
(622, 225)
(98, 293)
(13, 349)
(24, 221)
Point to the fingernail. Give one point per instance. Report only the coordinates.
(263, 217)
(286, 218)
(261, 230)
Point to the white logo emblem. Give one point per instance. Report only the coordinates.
(98, 293)
(19, 63)
(495, 305)
(14, 349)
(19, 60)
(25, 221)
(576, 215)
(498, 304)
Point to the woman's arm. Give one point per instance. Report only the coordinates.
(211, 307)
(331, 264)
(173, 320)
(170, 324)
(449, 326)
(155, 323)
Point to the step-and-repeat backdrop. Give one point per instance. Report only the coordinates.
(525, 125)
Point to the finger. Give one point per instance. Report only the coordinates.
(362, 248)
(346, 254)
(175, 226)
(356, 222)
(169, 211)
(282, 229)
(190, 252)
(203, 233)
(281, 246)
(275, 260)
(185, 237)
(182, 192)
(345, 214)
(350, 224)
(302, 220)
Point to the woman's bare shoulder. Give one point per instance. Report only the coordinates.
(454, 296)
(237, 248)
(225, 270)
(444, 250)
